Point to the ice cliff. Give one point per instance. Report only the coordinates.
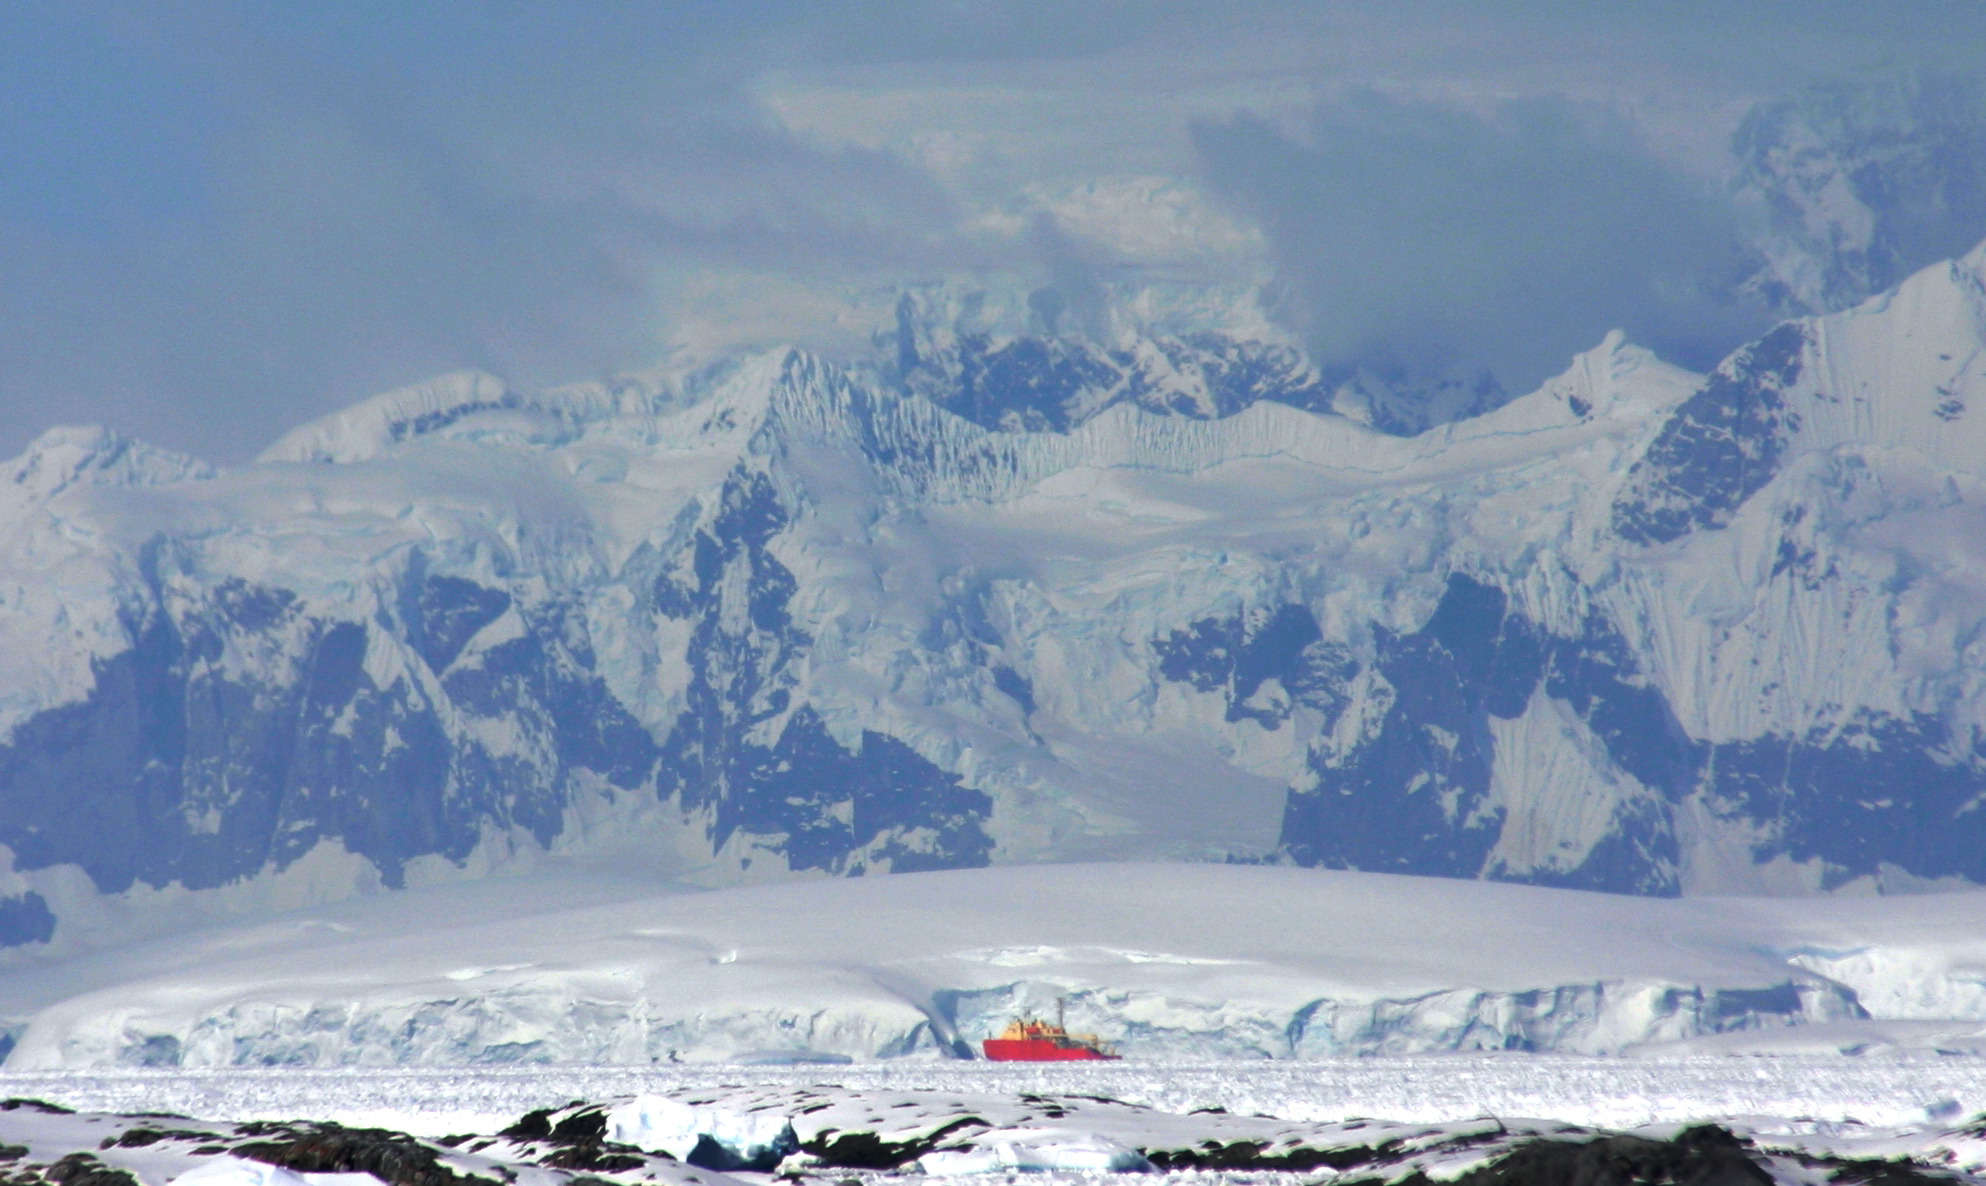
(1172, 962)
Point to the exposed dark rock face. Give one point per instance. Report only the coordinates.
(426, 697)
(178, 769)
(1054, 383)
(867, 1151)
(1261, 1155)
(1238, 658)
(81, 1169)
(1719, 448)
(1415, 795)
(1702, 1156)
(187, 765)
(1859, 796)
(578, 1140)
(323, 1147)
(743, 674)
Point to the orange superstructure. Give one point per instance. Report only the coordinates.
(1029, 1040)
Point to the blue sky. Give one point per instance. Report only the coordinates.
(220, 219)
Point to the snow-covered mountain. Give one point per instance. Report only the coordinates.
(1018, 372)
(1640, 630)
(1861, 182)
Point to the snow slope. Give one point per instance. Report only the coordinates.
(1640, 630)
(850, 1132)
(1172, 962)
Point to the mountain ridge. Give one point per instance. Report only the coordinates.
(1639, 630)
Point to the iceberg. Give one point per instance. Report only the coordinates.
(714, 1138)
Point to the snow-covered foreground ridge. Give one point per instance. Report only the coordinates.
(1171, 962)
(733, 1130)
(1640, 630)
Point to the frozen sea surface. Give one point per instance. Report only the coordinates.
(1786, 1094)
(1790, 1120)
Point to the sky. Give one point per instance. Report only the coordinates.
(219, 220)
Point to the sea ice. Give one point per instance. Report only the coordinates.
(1798, 1120)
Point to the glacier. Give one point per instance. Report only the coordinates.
(1173, 963)
(1006, 600)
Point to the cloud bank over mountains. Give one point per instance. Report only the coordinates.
(222, 220)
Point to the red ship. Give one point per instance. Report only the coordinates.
(1029, 1040)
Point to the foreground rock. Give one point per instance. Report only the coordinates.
(42, 1143)
(824, 1134)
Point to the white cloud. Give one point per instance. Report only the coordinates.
(219, 220)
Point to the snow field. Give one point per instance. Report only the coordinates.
(1173, 963)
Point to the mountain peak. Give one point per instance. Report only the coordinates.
(370, 427)
(1025, 598)
(64, 456)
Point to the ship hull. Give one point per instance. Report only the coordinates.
(1039, 1050)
